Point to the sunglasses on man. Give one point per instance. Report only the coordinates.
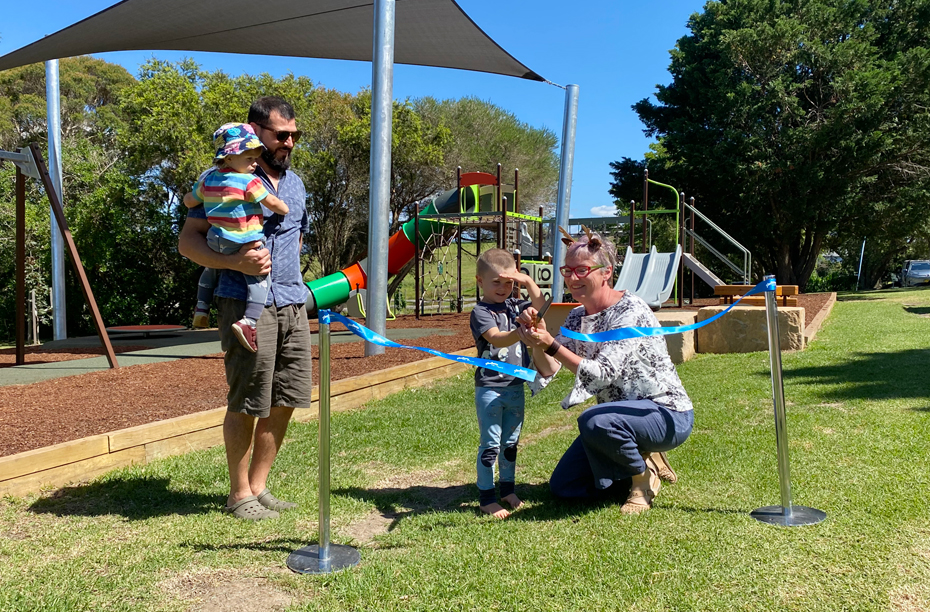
(282, 135)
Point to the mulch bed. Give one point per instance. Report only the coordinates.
(63, 409)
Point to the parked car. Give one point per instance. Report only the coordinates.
(915, 272)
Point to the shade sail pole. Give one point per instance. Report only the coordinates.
(382, 101)
(53, 123)
(569, 121)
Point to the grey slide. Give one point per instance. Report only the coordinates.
(649, 276)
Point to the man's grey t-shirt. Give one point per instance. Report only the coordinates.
(503, 316)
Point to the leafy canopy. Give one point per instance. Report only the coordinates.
(793, 122)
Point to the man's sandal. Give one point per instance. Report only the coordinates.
(250, 509)
(271, 502)
(645, 488)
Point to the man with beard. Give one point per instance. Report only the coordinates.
(266, 386)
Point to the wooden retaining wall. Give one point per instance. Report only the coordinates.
(83, 459)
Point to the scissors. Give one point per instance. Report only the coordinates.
(542, 311)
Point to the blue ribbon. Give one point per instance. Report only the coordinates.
(625, 333)
(325, 316)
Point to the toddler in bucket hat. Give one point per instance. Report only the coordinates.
(232, 197)
(233, 139)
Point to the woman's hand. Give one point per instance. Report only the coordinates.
(532, 335)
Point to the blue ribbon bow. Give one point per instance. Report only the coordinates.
(625, 333)
(326, 316)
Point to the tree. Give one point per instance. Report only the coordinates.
(793, 121)
(484, 135)
(90, 90)
(131, 149)
(335, 172)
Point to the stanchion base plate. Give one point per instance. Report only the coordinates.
(799, 515)
(307, 560)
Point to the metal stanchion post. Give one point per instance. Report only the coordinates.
(323, 558)
(786, 514)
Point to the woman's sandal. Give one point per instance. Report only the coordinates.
(644, 490)
(666, 473)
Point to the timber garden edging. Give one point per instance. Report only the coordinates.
(80, 460)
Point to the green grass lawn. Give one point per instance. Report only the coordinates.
(153, 537)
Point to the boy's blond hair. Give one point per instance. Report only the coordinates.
(496, 260)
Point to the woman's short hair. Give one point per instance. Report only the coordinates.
(598, 247)
(497, 260)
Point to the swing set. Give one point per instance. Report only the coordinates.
(29, 163)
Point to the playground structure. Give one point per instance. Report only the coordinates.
(433, 241)
(481, 202)
(652, 275)
(29, 163)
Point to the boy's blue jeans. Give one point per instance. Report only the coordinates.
(500, 418)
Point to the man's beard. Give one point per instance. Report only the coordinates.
(279, 165)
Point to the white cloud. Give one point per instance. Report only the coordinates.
(604, 211)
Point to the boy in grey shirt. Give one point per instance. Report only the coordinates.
(498, 397)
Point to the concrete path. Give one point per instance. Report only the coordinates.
(166, 347)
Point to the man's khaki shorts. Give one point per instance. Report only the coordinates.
(280, 373)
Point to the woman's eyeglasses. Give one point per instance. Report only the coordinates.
(282, 135)
(580, 271)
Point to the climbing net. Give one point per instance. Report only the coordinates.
(439, 280)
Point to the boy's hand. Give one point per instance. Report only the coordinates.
(527, 320)
(275, 204)
(536, 337)
(517, 277)
(190, 201)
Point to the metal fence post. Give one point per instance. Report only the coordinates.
(786, 514)
(323, 558)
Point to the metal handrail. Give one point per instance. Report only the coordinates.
(747, 256)
(723, 258)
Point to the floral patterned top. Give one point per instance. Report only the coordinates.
(618, 370)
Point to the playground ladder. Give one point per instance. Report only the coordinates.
(703, 272)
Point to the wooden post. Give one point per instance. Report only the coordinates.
(416, 262)
(645, 209)
(460, 302)
(692, 249)
(75, 258)
(477, 255)
(501, 220)
(681, 243)
(632, 223)
(540, 239)
(20, 267)
(515, 290)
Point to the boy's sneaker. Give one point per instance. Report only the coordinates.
(201, 319)
(246, 334)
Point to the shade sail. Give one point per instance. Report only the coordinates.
(427, 32)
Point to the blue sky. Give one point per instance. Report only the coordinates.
(615, 50)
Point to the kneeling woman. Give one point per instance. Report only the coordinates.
(643, 409)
